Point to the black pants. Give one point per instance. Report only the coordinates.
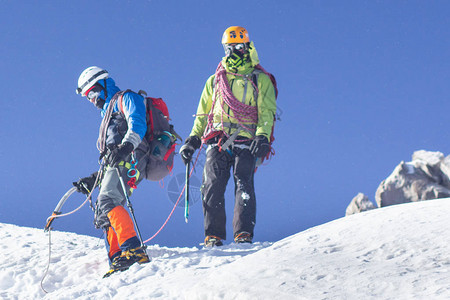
(216, 174)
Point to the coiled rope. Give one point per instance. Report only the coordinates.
(101, 141)
(242, 113)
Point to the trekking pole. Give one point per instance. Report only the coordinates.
(130, 207)
(186, 191)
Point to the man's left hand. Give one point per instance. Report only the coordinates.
(260, 146)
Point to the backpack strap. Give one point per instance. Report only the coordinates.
(255, 75)
(150, 126)
(272, 78)
(120, 100)
(101, 141)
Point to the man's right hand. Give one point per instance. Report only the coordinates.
(187, 150)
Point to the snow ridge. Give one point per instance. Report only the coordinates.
(397, 252)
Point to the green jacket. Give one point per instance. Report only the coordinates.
(265, 103)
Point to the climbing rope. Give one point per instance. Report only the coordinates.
(101, 141)
(48, 264)
(243, 113)
(56, 215)
(50, 240)
(178, 201)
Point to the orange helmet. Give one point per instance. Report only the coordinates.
(235, 35)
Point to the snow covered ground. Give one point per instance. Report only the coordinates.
(397, 252)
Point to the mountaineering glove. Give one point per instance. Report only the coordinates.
(86, 181)
(119, 153)
(260, 146)
(187, 150)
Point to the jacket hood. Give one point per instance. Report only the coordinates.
(253, 54)
(111, 88)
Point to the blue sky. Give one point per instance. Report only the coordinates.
(362, 84)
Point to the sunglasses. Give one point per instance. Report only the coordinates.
(94, 92)
(229, 48)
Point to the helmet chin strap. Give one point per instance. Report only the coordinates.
(105, 89)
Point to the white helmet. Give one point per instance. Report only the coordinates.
(89, 77)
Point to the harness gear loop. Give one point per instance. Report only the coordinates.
(230, 140)
(132, 172)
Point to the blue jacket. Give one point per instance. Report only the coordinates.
(130, 126)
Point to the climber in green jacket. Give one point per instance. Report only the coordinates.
(235, 118)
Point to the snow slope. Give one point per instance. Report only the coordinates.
(397, 252)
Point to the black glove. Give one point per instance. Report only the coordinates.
(86, 181)
(260, 146)
(119, 153)
(187, 150)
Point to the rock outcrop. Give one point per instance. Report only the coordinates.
(424, 178)
(359, 204)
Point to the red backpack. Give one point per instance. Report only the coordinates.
(160, 136)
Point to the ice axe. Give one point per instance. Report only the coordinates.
(58, 207)
(186, 195)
